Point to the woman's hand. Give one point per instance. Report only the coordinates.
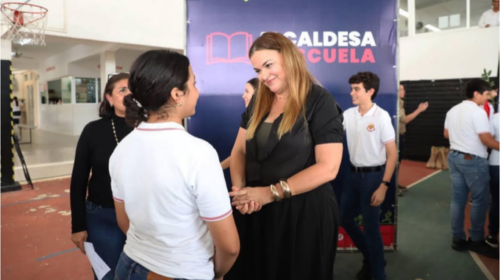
(79, 238)
(248, 200)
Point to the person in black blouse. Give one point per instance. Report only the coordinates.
(288, 149)
(93, 218)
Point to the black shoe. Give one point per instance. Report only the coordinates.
(459, 244)
(492, 241)
(403, 188)
(364, 273)
(482, 248)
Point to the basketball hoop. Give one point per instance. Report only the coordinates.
(26, 22)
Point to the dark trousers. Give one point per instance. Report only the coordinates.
(356, 196)
(401, 146)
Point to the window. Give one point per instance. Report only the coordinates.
(435, 16)
(85, 90)
(59, 91)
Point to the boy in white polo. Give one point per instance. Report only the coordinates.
(373, 155)
(468, 129)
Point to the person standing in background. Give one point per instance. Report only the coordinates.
(490, 17)
(468, 129)
(250, 88)
(16, 110)
(403, 121)
(373, 156)
(93, 217)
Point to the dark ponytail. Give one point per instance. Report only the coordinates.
(134, 114)
(15, 100)
(153, 76)
(105, 109)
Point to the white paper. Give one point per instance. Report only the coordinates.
(99, 266)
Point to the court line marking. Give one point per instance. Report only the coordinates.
(57, 254)
(425, 178)
(481, 265)
(34, 200)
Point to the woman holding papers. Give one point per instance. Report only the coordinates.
(93, 217)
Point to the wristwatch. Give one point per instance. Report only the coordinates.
(386, 183)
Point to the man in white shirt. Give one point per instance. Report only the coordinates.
(373, 155)
(468, 129)
(490, 17)
(492, 238)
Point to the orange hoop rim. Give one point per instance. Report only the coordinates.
(7, 5)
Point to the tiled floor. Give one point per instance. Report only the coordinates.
(49, 155)
(47, 147)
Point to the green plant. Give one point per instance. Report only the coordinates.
(486, 76)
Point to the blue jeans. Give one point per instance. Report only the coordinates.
(128, 269)
(357, 194)
(468, 175)
(105, 235)
(493, 225)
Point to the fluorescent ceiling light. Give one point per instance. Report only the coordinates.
(432, 28)
(403, 13)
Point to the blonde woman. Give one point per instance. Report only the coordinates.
(288, 149)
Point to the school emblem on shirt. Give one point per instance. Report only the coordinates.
(371, 127)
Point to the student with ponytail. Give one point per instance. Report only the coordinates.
(169, 190)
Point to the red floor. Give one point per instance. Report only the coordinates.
(35, 226)
(412, 171)
(36, 231)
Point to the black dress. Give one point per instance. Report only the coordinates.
(295, 238)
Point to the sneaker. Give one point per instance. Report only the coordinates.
(364, 273)
(459, 244)
(403, 188)
(492, 241)
(482, 248)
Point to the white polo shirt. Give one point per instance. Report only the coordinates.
(464, 123)
(367, 136)
(495, 133)
(171, 183)
(489, 17)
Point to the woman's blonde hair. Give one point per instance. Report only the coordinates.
(298, 82)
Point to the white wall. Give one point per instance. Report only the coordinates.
(159, 23)
(69, 119)
(19, 78)
(461, 53)
(89, 67)
(6, 49)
